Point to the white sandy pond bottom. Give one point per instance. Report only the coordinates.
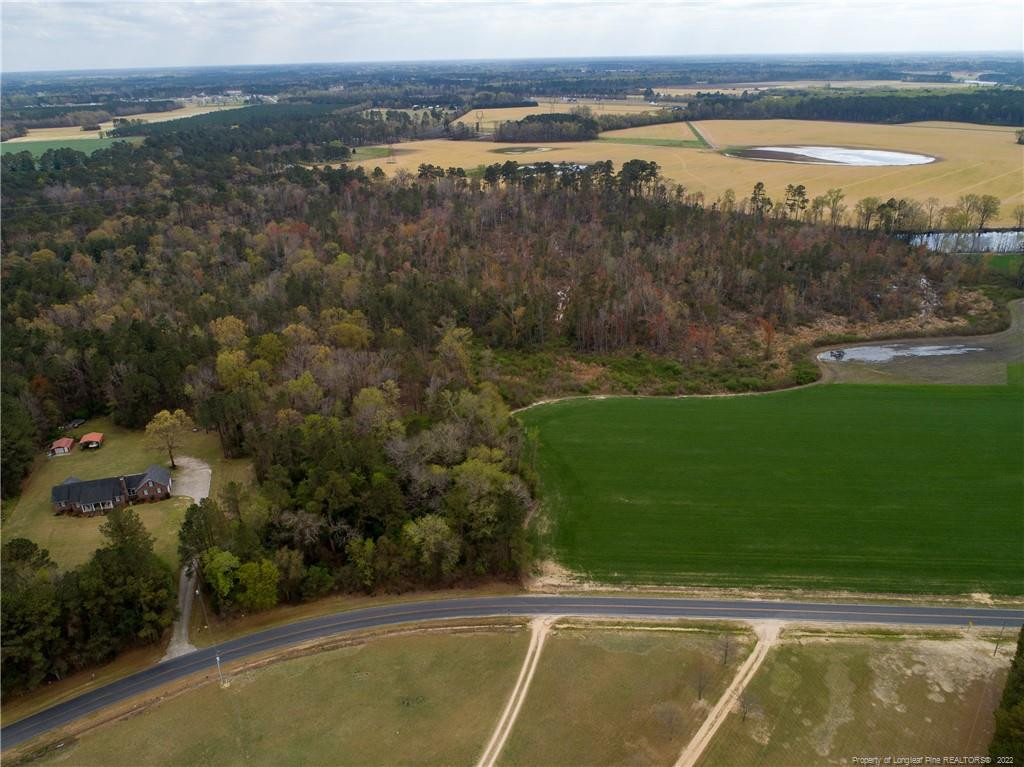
(889, 352)
(831, 155)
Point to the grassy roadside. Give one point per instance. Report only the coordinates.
(52, 693)
(207, 628)
(426, 698)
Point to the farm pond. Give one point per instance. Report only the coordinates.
(830, 155)
(887, 352)
(950, 360)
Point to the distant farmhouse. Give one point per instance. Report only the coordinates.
(87, 498)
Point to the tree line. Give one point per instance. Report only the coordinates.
(1008, 738)
(991, 106)
(55, 623)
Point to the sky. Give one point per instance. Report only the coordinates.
(86, 34)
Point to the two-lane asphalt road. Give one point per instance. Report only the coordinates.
(483, 607)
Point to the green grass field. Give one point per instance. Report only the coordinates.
(37, 148)
(603, 696)
(865, 488)
(679, 143)
(72, 540)
(369, 152)
(408, 700)
(697, 142)
(1005, 263)
(821, 702)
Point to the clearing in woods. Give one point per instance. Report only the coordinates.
(972, 159)
(924, 483)
(72, 540)
(822, 700)
(417, 699)
(622, 695)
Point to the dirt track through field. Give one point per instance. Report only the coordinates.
(539, 631)
(767, 634)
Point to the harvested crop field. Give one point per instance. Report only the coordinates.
(978, 159)
(865, 488)
(401, 700)
(603, 695)
(826, 700)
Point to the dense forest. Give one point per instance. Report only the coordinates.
(361, 339)
(291, 132)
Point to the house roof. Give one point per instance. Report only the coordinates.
(93, 436)
(62, 442)
(74, 490)
(88, 491)
(156, 473)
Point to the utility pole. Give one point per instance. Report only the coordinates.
(999, 639)
(206, 621)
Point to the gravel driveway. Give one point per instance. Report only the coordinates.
(192, 478)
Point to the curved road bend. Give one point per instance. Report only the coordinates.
(482, 607)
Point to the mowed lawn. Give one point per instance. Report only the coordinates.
(866, 488)
(430, 700)
(72, 540)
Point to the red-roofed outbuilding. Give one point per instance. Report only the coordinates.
(91, 440)
(61, 446)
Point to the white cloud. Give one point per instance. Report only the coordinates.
(88, 34)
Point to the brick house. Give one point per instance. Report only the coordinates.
(97, 496)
